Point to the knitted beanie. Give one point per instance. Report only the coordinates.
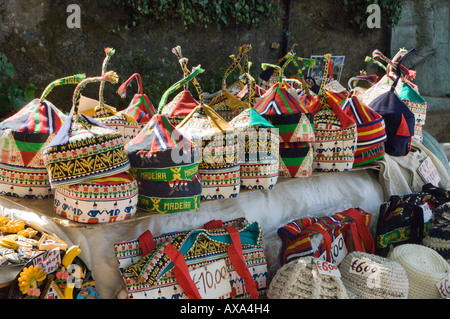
(424, 267)
(438, 237)
(367, 276)
(300, 279)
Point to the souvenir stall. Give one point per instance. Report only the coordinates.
(294, 194)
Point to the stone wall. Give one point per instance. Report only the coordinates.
(36, 39)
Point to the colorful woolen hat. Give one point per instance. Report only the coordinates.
(165, 163)
(417, 105)
(22, 139)
(100, 200)
(424, 267)
(140, 107)
(183, 103)
(301, 279)
(399, 119)
(219, 166)
(368, 276)
(336, 133)
(109, 116)
(371, 131)
(226, 104)
(84, 149)
(258, 147)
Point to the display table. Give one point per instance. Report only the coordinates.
(321, 194)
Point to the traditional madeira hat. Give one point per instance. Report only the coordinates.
(417, 105)
(219, 166)
(22, 138)
(370, 128)
(399, 119)
(109, 116)
(226, 104)
(368, 276)
(438, 238)
(335, 131)
(301, 279)
(166, 163)
(84, 149)
(258, 146)
(424, 267)
(183, 103)
(140, 107)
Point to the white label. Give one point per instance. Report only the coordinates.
(326, 268)
(338, 250)
(212, 280)
(427, 213)
(429, 172)
(48, 261)
(444, 287)
(367, 269)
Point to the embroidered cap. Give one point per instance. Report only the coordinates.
(22, 139)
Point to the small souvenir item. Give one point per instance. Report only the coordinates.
(183, 103)
(109, 116)
(258, 146)
(399, 119)
(140, 107)
(84, 149)
(370, 128)
(226, 104)
(335, 131)
(22, 139)
(165, 163)
(219, 167)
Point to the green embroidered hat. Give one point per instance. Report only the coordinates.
(84, 149)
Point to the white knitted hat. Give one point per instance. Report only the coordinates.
(300, 279)
(367, 276)
(424, 267)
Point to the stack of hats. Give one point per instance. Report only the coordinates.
(424, 267)
(109, 116)
(140, 107)
(367, 276)
(226, 104)
(371, 132)
(87, 164)
(165, 163)
(336, 132)
(438, 238)
(22, 138)
(217, 140)
(183, 103)
(399, 119)
(258, 146)
(300, 279)
(282, 108)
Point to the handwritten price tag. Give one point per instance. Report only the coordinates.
(326, 268)
(212, 280)
(367, 269)
(429, 172)
(338, 250)
(49, 261)
(444, 287)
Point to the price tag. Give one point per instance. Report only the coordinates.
(212, 280)
(367, 269)
(326, 268)
(48, 261)
(338, 250)
(428, 172)
(444, 287)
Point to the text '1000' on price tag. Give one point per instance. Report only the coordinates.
(212, 280)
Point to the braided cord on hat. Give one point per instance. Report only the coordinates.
(109, 53)
(74, 79)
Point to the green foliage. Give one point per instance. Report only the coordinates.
(390, 11)
(12, 97)
(201, 13)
